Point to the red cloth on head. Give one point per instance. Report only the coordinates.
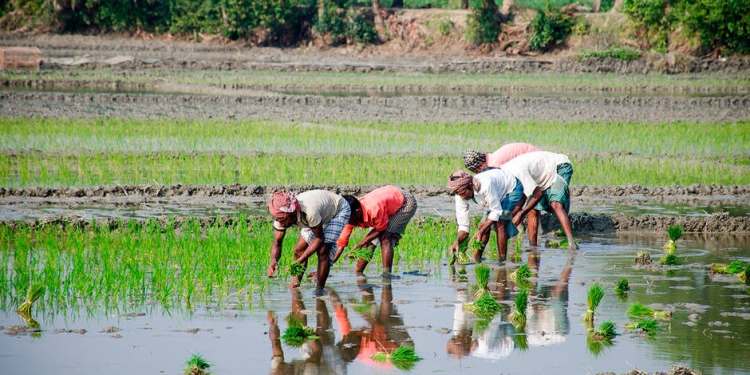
(283, 203)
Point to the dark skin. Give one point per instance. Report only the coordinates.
(484, 231)
(533, 218)
(302, 251)
(386, 245)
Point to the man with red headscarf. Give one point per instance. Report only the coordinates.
(322, 216)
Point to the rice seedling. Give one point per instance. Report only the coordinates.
(35, 291)
(601, 338)
(403, 358)
(622, 286)
(482, 272)
(296, 335)
(648, 326)
(675, 232)
(563, 243)
(361, 253)
(522, 273)
(640, 310)
(296, 269)
(595, 295)
(518, 316)
(484, 306)
(669, 260)
(196, 365)
(735, 267)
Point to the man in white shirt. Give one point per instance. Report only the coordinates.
(545, 177)
(501, 192)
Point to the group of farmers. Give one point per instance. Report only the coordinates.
(515, 182)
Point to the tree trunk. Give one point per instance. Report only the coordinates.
(378, 18)
(597, 6)
(618, 6)
(397, 4)
(464, 4)
(507, 5)
(321, 11)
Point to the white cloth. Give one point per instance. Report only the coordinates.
(494, 185)
(317, 207)
(535, 169)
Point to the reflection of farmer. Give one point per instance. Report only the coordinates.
(387, 210)
(547, 323)
(476, 161)
(321, 215)
(545, 177)
(319, 355)
(501, 192)
(386, 332)
(493, 341)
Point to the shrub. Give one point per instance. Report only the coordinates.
(722, 25)
(550, 27)
(651, 21)
(621, 53)
(483, 25)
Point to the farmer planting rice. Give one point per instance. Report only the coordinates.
(501, 192)
(476, 161)
(545, 177)
(387, 211)
(322, 215)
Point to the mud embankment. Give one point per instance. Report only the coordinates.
(400, 109)
(433, 203)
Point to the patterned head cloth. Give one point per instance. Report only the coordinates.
(283, 203)
(459, 180)
(473, 159)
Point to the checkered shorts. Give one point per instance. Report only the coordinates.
(398, 221)
(558, 192)
(331, 230)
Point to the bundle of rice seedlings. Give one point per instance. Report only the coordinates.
(403, 358)
(461, 257)
(361, 253)
(518, 316)
(640, 310)
(595, 295)
(476, 245)
(296, 269)
(606, 331)
(669, 260)
(483, 278)
(675, 232)
(735, 267)
(35, 291)
(484, 307)
(622, 286)
(648, 326)
(295, 336)
(521, 340)
(523, 272)
(196, 365)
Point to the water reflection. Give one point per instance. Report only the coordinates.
(547, 318)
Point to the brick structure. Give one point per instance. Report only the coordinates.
(20, 57)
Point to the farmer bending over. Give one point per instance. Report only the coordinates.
(476, 161)
(545, 177)
(501, 192)
(321, 215)
(386, 210)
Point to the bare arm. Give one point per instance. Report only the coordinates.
(536, 196)
(278, 239)
(374, 233)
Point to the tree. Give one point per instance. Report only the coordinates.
(378, 18)
(618, 6)
(597, 6)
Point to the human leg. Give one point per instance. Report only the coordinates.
(502, 240)
(562, 216)
(532, 222)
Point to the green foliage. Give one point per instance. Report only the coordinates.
(605, 331)
(404, 358)
(622, 286)
(483, 23)
(550, 27)
(483, 275)
(669, 260)
(36, 290)
(648, 326)
(518, 316)
(594, 297)
(621, 53)
(736, 266)
(295, 336)
(651, 20)
(722, 25)
(523, 272)
(444, 26)
(296, 269)
(196, 365)
(675, 232)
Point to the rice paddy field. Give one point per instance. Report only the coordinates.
(135, 236)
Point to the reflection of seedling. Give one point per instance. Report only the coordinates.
(403, 358)
(519, 242)
(675, 232)
(597, 346)
(595, 295)
(33, 294)
(648, 326)
(196, 365)
(640, 310)
(521, 340)
(601, 338)
(296, 269)
(669, 260)
(295, 336)
(518, 316)
(483, 277)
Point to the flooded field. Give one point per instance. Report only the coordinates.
(706, 332)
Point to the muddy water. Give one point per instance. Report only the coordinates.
(707, 332)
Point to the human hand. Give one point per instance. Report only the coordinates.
(273, 269)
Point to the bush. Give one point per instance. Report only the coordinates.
(550, 27)
(621, 53)
(722, 25)
(651, 20)
(483, 25)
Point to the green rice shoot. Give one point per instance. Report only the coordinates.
(606, 331)
(295, 336)
(296, 269)
(403, 358)
(483, 307)
(563, 243)
(648, 326)
(669, 260)
(639, 310)
(674, 232)
(735, 267)
(522, 273)
(622, 286)
(361, 253)
(519, 240)
(196, 365)
(595, 295)
(482, 272)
